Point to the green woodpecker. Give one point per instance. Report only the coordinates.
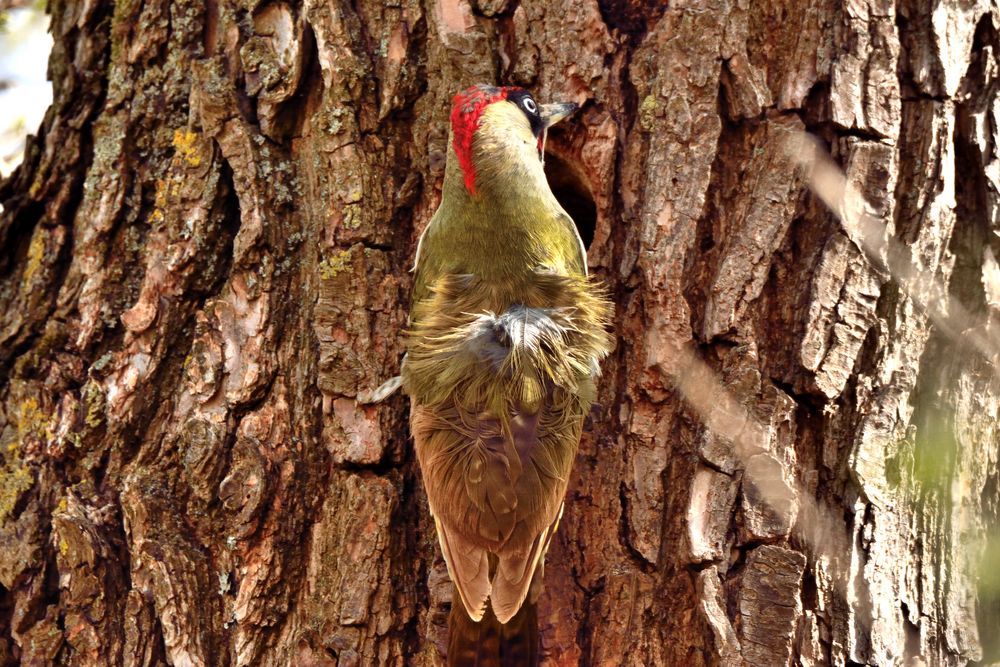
(505, 338)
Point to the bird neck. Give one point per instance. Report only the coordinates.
(509, 226)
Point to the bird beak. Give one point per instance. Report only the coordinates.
(553, 113)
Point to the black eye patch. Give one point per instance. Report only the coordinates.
(526, 103)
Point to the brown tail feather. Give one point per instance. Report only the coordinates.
(490, 644)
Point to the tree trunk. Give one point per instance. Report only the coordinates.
(205, 263)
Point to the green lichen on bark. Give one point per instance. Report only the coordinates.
(93, 402)
(333, 265)
(647, 112)
(15, 479)
(15, 476)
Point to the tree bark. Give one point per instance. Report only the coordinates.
(205, 263)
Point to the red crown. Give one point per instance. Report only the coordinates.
(466, 111)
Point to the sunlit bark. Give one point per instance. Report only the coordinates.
(205, 262)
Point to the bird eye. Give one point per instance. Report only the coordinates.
(529, 105)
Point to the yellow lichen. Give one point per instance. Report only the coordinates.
(36, 253)
(93, 400)
(15, 479)
(31, 421)
(185, 142)
(15, 476)
(159, 201)
(63, 546)
(331, 266)
(647, 112)
(352, 217)
(36, 188)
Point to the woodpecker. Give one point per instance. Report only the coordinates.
(505, 337)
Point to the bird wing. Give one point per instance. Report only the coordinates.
(573, 231)
(468, 567)
(466, 474)
(495, 489)
(547, 442)
(515, 572)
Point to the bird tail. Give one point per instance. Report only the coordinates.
(490, 643)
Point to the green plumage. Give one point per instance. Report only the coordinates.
(506, 334)
(443, 366)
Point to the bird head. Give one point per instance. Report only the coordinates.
(498, 135)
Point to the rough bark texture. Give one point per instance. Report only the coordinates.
(205, 262)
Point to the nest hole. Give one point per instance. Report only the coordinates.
(572, 193)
